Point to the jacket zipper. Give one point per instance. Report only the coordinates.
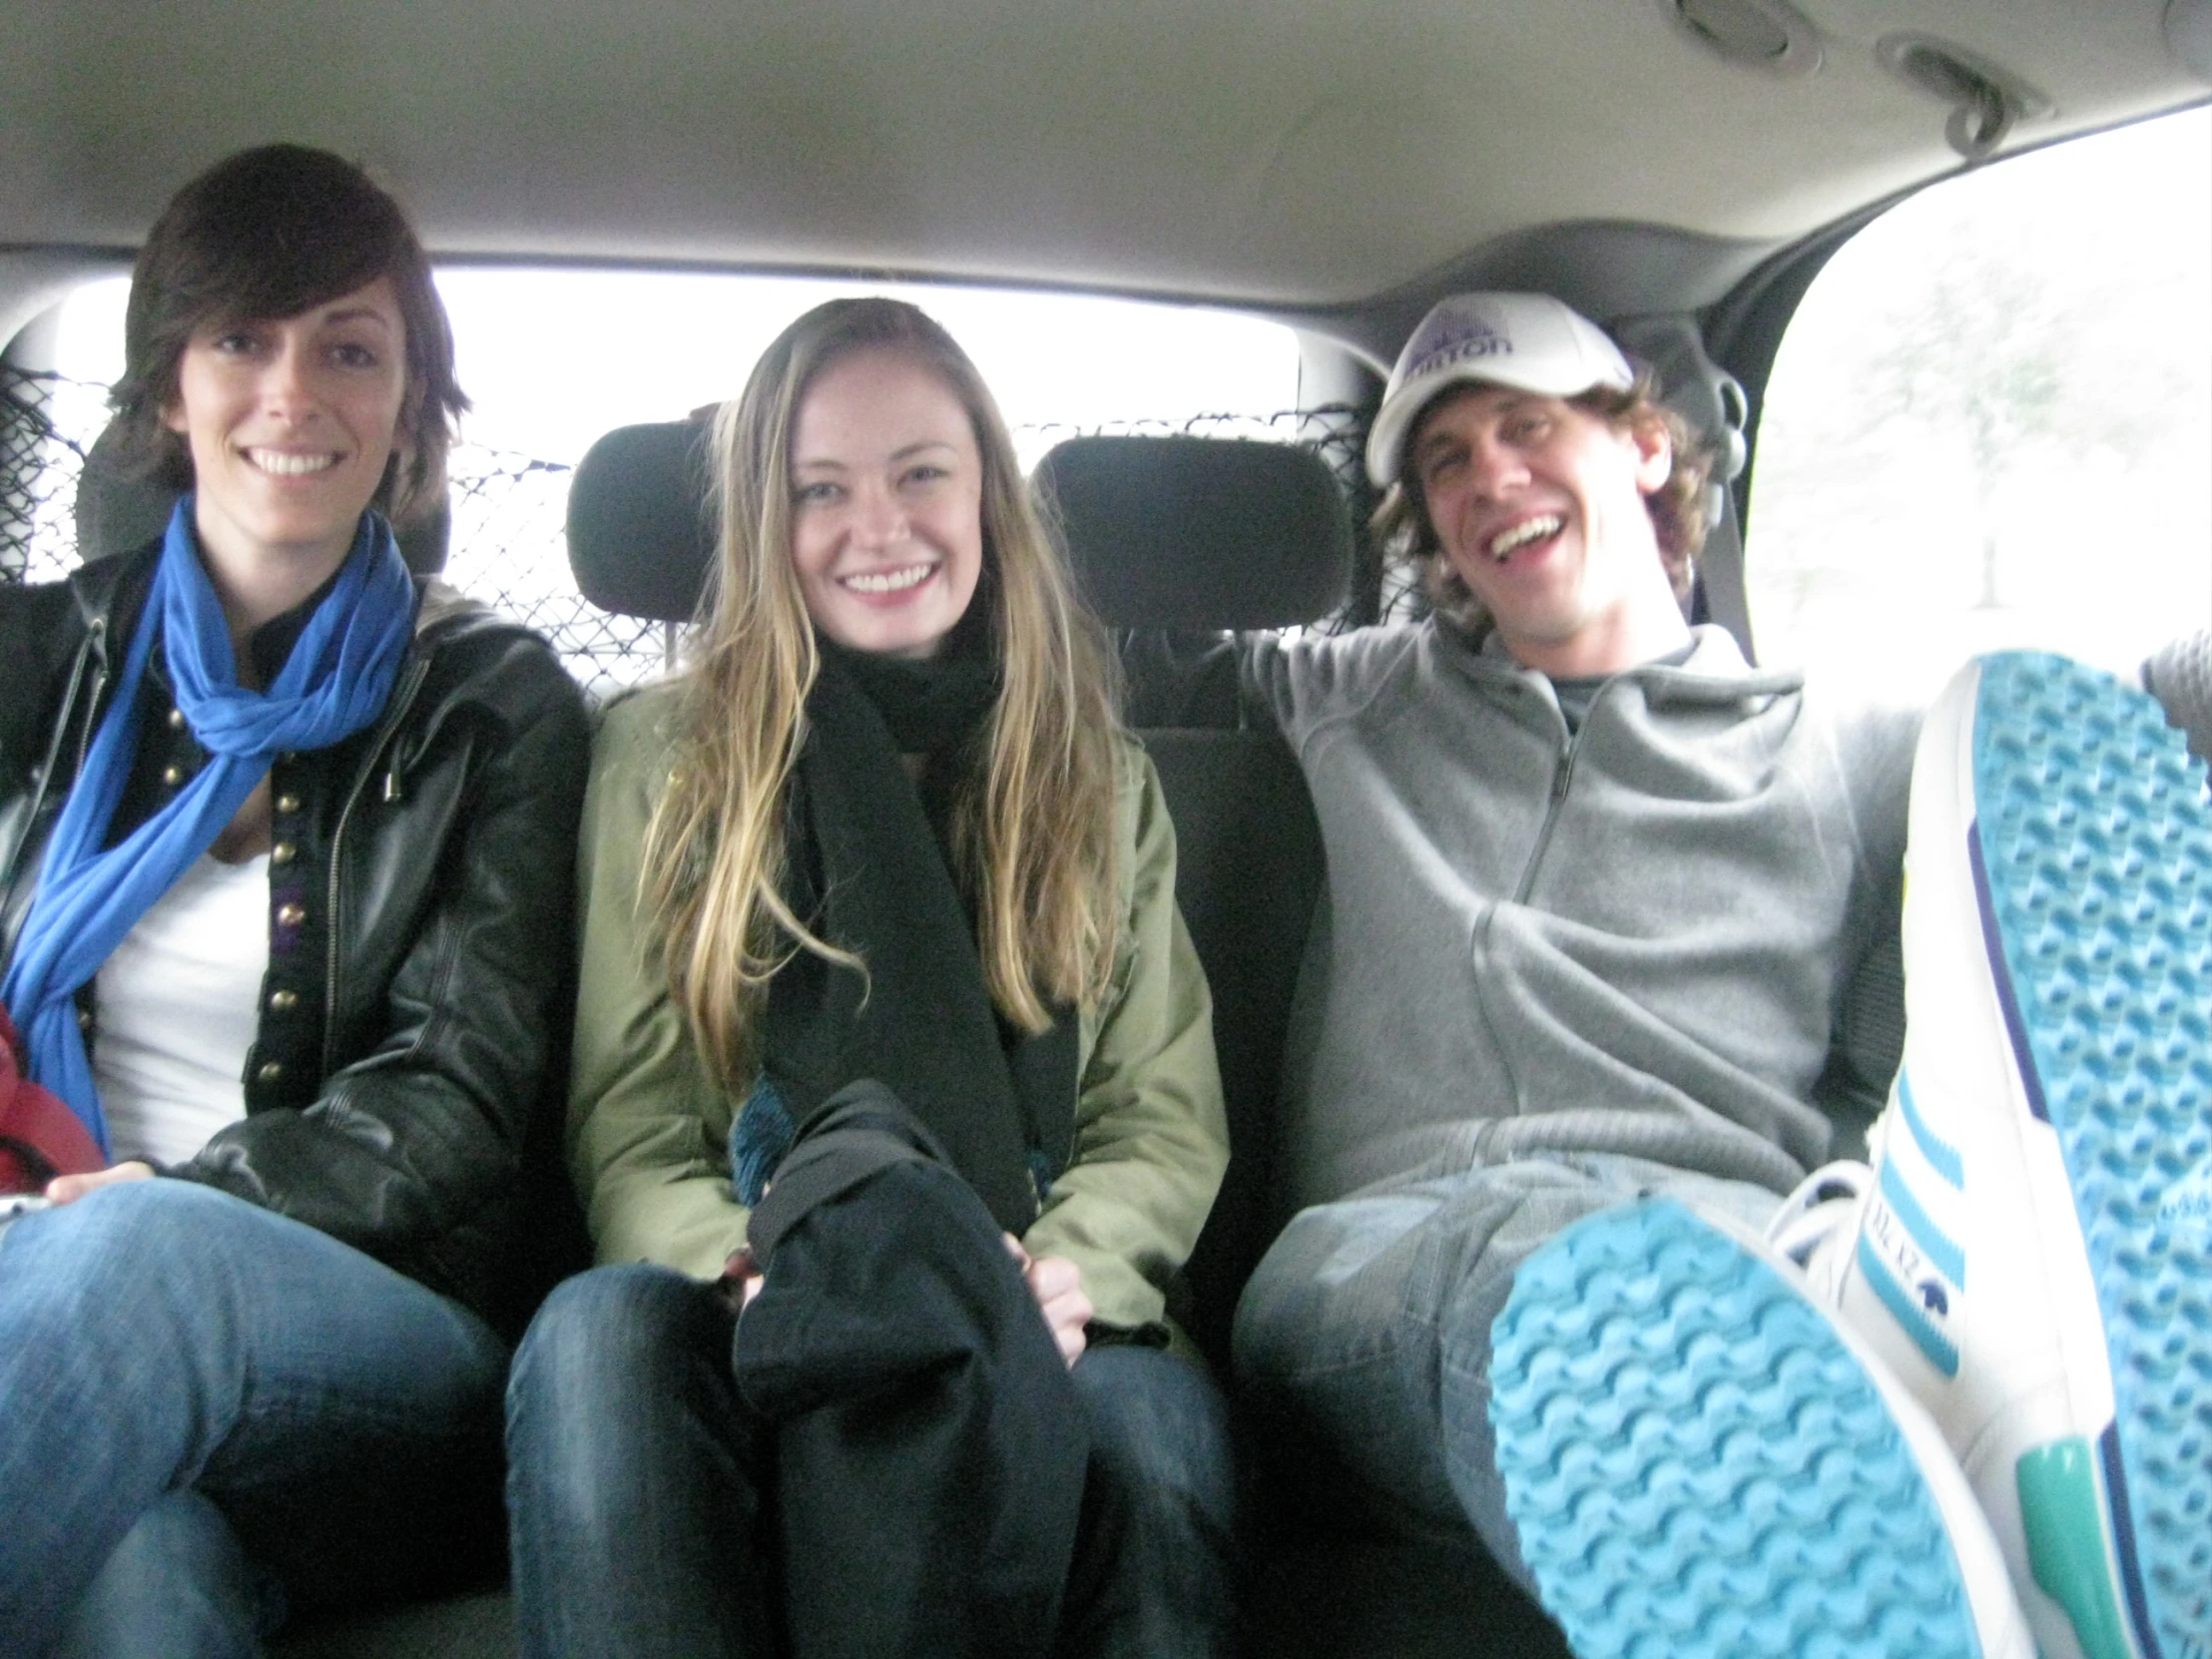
(1562, 774)
(402, 700)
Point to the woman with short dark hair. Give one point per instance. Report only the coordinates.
(267, 233)
(284, 922)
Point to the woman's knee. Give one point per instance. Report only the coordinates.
(1158, 1424)
(621, 1419)
(114, 1245)
(603, 1334)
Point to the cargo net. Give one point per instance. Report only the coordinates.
(509, 545)
(47, 425)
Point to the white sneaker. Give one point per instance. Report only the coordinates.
(2033, 1259)
(1701, 1462)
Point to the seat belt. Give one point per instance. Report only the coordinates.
(1713, 401)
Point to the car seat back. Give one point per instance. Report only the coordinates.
(1195, 537)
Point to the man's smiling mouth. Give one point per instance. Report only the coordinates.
(1505, 543)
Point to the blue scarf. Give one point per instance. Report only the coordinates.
(334, 683)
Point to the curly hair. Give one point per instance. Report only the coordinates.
(1403, 529)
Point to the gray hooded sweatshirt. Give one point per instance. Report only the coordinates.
(1648, 936)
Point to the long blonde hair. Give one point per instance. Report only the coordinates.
(1032, 834)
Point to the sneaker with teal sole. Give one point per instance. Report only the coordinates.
(2033, 1255)
(1701, 1462)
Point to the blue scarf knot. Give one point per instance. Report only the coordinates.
(335, 681)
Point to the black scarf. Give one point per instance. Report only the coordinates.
(871, 872)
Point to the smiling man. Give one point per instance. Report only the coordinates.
(1583, 1008)
(1615, 942)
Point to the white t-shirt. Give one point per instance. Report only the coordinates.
(180, 1003)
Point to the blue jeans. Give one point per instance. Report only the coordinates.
(635, 1496)
(206, 1409)
(1368, 1322)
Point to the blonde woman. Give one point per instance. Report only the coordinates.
(880, 934)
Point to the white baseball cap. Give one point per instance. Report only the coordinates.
(1529, 342)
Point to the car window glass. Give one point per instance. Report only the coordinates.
(553, 359)
(1990, 425)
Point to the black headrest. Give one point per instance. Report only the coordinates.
(117, 511)
(1166, 532)
(640, 520)
(1204, 533)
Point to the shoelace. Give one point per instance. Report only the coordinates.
(1814, 1225)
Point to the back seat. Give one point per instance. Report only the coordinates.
(1168, 536)
(1171, 536)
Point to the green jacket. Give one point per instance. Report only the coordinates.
(649, 1131)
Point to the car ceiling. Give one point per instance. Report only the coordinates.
(1312, 159)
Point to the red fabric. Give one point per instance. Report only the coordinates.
(39, 1137)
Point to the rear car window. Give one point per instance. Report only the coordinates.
(1990, 425)
(553, 359)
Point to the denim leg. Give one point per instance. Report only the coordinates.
(632, 1482)
(157, 1336)
(1368, 1322)
(1156, 1561)
(179, 1585)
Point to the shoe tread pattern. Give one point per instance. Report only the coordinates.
(1696, 1465)
(2096, 841)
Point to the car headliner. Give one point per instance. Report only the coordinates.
(1339, 163)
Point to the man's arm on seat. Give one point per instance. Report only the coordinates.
(1183, 678)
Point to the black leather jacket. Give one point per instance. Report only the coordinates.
(421, 894)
